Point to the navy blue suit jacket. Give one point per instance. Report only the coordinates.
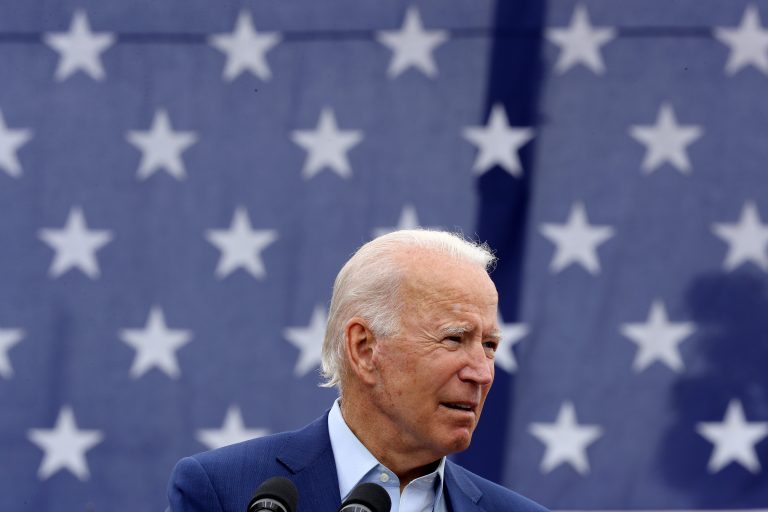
(224, 480)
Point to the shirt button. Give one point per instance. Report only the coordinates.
(384, 477)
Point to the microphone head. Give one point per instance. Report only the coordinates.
(367, 497)
(276, 489)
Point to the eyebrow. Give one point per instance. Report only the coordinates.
(455, 330)
(462, 330)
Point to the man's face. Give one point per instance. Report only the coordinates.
(435, 373)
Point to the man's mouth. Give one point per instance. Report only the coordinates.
(459, 406)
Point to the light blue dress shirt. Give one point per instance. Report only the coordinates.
(355, 464)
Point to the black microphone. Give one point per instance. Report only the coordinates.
(275, 494)
(367, 497)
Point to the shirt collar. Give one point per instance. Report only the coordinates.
(354, 461)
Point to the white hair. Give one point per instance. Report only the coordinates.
(368, 286)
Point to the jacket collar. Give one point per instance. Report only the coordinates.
(463, 494)
(307, 454)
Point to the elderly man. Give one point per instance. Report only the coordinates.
(410, 343)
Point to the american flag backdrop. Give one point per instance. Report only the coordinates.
(180, 181)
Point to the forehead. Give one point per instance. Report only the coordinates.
(428, 275)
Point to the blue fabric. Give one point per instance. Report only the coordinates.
(224, 480)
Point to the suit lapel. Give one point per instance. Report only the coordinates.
(308, 455)
(462, 494)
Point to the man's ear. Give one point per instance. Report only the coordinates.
(359, 344)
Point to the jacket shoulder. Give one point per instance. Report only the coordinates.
(223, 479)
(247, 453)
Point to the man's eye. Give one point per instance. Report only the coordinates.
(491, 345)
(455, 339)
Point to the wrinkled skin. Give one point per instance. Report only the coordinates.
(405, 403)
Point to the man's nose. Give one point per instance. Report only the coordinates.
(478, 366)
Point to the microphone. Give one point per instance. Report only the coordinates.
(367, 497)
(275, 494)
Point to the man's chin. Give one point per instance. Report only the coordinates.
(458, 442)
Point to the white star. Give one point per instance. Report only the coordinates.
(748, 42)
(580, 43)
(10, 142)
(565, 440)
(666, 141)
(412, 45)
(245, 48)
(747, 239)
(309, 340)
(65, 446)
(658, 339)
(327, 146)
(734, 439)
(232, 431)
(155, 345)
(498, 143)
(576, 240)
(79, 49)
(8, 338)
(241, 245)
(75, 245)
(408, 220)
(161, 147)
(511, 334)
